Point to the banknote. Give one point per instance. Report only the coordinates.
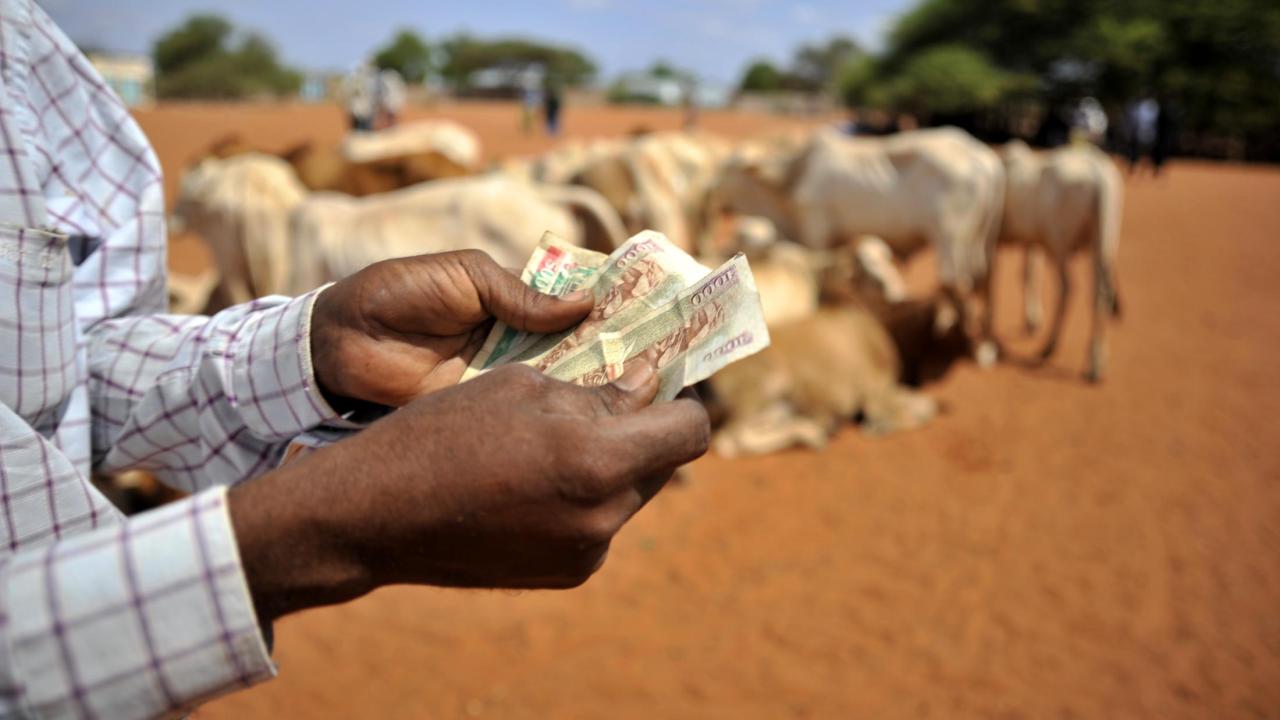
(556, 267)
(714, 322)
(644, 273)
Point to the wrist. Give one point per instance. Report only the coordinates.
(292, 542)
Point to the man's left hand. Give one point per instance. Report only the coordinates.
(400, 329)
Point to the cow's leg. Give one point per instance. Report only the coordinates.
(1059, 312)
(1032, 309)
(893, 407)
(1104, 303)
(773, 430)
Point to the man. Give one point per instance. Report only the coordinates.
(360, 91)
(390, 98)
(510, 480)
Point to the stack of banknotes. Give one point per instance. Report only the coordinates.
(653, 302)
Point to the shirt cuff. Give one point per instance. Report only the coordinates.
(137, 620)
(272, 378)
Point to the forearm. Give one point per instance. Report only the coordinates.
(294, 537)
(203, 401)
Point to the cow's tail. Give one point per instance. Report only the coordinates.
(603, 229)
(1107, 241)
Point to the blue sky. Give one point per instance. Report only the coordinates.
(713, 37)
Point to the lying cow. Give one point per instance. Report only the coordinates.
(850, 359)
(333, 235)
(818, 372)
(1063, 202)
(791, 278)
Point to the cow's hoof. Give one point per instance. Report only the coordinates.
(987, 354)
(1093, 376)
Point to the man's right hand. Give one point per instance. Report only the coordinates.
(511, 480)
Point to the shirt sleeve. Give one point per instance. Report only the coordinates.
(201, 401)
(142, 619)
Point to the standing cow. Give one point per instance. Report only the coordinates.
(1062, 202)
(932, 188)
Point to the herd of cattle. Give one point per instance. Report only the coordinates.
(822, 216)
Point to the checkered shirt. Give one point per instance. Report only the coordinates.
(102, 615)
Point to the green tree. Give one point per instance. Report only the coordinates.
(198, 60)
(815, 67)
(761, 76)
(407, 54)
(947, 79)
(465, 54)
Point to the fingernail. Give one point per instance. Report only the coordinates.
(635, 377)
(577, 296)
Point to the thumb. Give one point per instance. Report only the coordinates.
(635, 389)
(520, 306)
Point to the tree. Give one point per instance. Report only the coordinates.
(465, 54)
(200, 38)
(197, 60)
(407, 54)
(1216, 64)
(815, 67)
(948, 80)
(761, 76)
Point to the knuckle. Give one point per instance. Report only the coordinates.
(598, 526)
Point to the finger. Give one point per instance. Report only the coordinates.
(634, 390)
(520, 306)
(649, 441)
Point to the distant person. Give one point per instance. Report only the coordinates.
(1089, 122)
(389, 99)
(360, 91)
(551, 108)
(530, 100)
(1166, 136)
(1142, 117)
(690, 95)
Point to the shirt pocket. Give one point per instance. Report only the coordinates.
(37, 323)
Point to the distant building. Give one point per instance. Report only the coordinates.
(131, 76)
(321, 86)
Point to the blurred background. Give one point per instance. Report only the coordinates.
(1043, 547)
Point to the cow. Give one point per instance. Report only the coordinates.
(1060, 203)
(791, 279)
(374, 162)
(938, 188)
(334, 235)
(658, 181)
(240, 206)
(855, 356)
(455, 142)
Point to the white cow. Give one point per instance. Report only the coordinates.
(658, 181)
(792, 279)
(456, 142)
(335, 235)
(937, 188)
(1062, 202)
(240, 206)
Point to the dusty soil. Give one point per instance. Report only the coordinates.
(1047, 549)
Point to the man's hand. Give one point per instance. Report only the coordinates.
(510, 480)
(403, 328)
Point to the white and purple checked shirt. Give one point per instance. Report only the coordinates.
(102, 615)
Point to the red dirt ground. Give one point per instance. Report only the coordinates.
(1048, 549)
